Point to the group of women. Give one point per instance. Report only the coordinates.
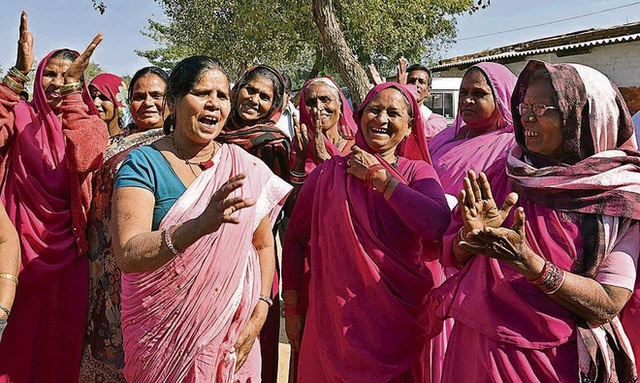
(504, 249)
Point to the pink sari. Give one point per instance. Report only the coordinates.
(180, 321)
(46, 191)
(368, 318)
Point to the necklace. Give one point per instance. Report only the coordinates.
(204, 165)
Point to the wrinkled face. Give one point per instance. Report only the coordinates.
(105, 107)
(320, 97)
(146, 102)
(476, 104)
(420, 79)
(385, 121)
(201, 114)
(53, 79)
(255, 99)
(542, 134)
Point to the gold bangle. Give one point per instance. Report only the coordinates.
(70, 87)
(10, 277)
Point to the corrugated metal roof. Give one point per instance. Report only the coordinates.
(593, 43)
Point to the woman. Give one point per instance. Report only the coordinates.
(103, 356)
(483, 130)
(367, 319)
(50, 148)
(193, 239)
(566, 279)
(146, 99)
(327, 114)
(257, 104)
(109, 94)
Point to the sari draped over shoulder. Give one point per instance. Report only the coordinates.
(369, 317)
(47, 191)
(452, 158)
(581, 216)
(180, 322)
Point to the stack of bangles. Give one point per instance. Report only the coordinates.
(69, 89)
(292, 310)
(371, 171)
(297, 178)
(15, 80)
(551, 279)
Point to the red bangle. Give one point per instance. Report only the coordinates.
(292, 310)
(371, 171)
(385, 184)
(543, 274)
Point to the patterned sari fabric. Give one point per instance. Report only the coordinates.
(581, 215)
(180, 322)
(103, 357)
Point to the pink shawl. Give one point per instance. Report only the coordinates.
(116, 90)
(180, 321)
(368, 317)
(452, 158)
(347, 125)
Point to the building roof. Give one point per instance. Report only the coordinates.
(569, 41)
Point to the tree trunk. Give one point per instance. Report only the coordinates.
(316, 65)
(339, 53)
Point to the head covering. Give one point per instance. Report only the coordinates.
(414, 147)
(501, 80)
(346, 124)
(116, 90)
(602, 178)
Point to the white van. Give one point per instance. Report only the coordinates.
(443, 99)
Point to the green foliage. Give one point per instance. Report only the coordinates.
(93, 69)
(241, 33)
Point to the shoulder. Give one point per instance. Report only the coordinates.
(414, 170)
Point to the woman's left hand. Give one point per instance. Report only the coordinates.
(77, 68)
(360, 162)
(250, 333)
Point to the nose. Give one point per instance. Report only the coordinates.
(148, 100)
(468, 100)
(96, 101)
(213, 103)
(58, 80)
(382, 117)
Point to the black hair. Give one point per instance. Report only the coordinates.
(287, 83)
(25, 94)
(267, 72)
(64, 54)
(183, 78)
(415, 67)
(144, 72)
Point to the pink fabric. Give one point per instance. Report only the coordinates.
(116, 90)
(180, 321)
(433, 125)
(368, 318)
(347, 125)
(47, 190)
(452, 158)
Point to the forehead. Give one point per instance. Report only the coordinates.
(57, 63)
(540, 90)
(418, 73)
(390, 98)
(149, 82)
(261, 83)
(474, 78)
(213, 78)
(322, 89)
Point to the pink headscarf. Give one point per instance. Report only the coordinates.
(346, 124)
(116, 90)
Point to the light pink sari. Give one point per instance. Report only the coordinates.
(180, 321)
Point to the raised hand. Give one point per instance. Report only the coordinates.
(402, 70)
(77, 68)
(319, 149)
(477, 206)
(25, 58)
(375, 76)
(301, 141)
(221, 208)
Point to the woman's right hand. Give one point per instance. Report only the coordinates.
(25, 58)
(221, 208)
(319, 149)
(300, 144)
(294, 327)
(477, 206)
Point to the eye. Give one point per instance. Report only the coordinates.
(223, 96)
(137, 97)
(265, 97)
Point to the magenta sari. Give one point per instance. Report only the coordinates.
(368, 318)
(47, 191)
(179, 322)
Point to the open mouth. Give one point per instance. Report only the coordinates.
(209, 121)
(380, 131)
(530, 133)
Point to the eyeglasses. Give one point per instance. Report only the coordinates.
(538, 109)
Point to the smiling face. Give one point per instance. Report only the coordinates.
(476, 103)
(105, 107)
(255, 99)
(385, 121)
(321, 97)
(53, 79)
(201, 113)
(542, 134)
(146, 104)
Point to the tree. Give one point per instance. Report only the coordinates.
(93, 69)
(307, 36)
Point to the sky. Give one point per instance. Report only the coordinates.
(73, 23)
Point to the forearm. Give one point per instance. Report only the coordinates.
(148, 251)
(9, 261)
(8, 100)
